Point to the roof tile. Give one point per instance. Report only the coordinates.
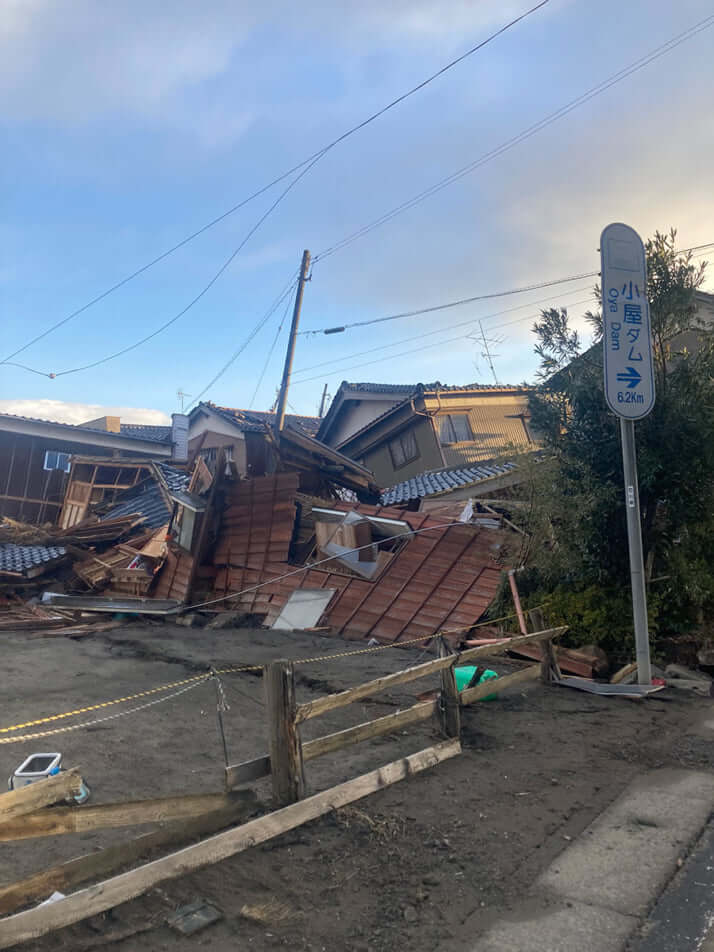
(429, 484)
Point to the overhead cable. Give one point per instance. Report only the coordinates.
(447, 327)
(449, 304)
(309, 161)
(261, 323)
(521, 137)
(414, 350)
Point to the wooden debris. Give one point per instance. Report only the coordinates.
(623, 672)
(496, 685)
(105, 895)
(62, 820)
(333, 701)
(34, 796)
(270, 912)
(83, 868)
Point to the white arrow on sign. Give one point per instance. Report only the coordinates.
(627, 335)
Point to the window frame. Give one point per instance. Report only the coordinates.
(66, 464)
(447, 419)
(409, 434)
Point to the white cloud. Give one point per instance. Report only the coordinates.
(62, 411)
(81, 60)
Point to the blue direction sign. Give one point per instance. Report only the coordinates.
(627, 336)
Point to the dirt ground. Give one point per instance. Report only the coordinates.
(423, 865)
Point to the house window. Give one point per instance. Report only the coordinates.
(55, 460)
(454, 428)
(187, 522)
(404, 449)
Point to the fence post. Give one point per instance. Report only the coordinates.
(548, 666)
(286, 764)
(450, 709)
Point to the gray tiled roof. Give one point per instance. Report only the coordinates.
(19, 558)
(141, 431)
(409, 388)
(147, 498)
(428, 484)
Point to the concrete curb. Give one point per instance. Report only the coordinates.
(594, 895)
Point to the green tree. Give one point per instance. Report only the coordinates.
(576, 519)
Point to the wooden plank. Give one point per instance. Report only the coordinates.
(42, 793)
(62, 820)
(102, 862)
(247, 771)
(286, 766)
(368, 730)
(333, 701)
(449, 700)
(105, 895)
(469, 695)
(623, 672)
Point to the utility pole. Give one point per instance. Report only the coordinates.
(287, 370)
(322, 403)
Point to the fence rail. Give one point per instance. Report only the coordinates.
(288, 753)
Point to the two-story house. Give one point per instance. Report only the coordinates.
(425, 427)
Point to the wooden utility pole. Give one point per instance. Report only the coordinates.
(287, 370)
(286, 764)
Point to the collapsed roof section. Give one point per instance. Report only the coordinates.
(416, 574)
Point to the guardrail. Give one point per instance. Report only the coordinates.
(288, 753)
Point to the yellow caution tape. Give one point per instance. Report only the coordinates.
(199, 677)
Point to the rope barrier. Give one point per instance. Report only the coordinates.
(187, 683)
(99, 720)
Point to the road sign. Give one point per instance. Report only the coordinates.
(627, 335)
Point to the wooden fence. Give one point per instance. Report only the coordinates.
(31, 811)
(288, 753)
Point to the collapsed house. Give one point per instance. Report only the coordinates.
(305, 545)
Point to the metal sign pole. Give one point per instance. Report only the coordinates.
(629, 391)
(637, 563)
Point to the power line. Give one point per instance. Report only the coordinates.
(521, 137)
(448, 327)
(204, 290)
(310, 160)
(414, 350)
(459, 303)
(270, 352)
(285, 293)
(699, 249)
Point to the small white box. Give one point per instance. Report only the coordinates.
(36, 767)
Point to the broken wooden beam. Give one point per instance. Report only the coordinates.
(341, 699)
(496, 685)
(41, 793)
(60, 821)
(102, 862)
(105, 895)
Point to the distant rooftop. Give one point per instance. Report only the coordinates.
(131, 431)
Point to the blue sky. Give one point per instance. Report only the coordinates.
(126, 126)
